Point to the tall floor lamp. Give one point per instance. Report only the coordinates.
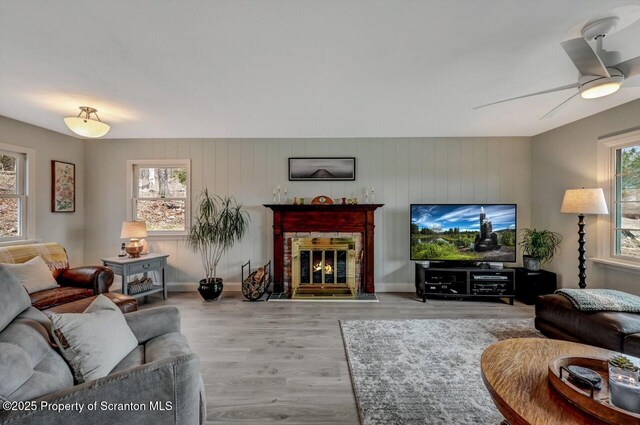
(583, 201)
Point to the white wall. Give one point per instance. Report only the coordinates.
(65, 228)
(565, 158)
(402, 170)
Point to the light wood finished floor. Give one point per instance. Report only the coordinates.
(271, 362)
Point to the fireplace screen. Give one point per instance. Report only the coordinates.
(323, 267)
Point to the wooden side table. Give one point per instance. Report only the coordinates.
(125, 267)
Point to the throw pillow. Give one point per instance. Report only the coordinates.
(13, 298)
(34, 275)
(95, 341)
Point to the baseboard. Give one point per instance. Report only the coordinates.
(395, 287)
(236, 286)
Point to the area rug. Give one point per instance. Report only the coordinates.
(425, 371)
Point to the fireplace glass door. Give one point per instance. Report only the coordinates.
(323, 267)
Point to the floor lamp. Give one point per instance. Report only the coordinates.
(583, 201)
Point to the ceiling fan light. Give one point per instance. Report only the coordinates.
(600, 90)
(86, 126)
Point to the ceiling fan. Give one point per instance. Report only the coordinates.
(601, 72)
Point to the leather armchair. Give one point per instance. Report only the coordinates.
(96, 278)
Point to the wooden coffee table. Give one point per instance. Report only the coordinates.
(515, 372)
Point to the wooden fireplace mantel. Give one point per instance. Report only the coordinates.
(324, 218)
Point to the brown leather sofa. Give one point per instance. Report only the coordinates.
(78, 286)
(557, 318)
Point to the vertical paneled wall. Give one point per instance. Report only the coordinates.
(403, 171)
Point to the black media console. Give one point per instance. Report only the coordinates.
(472, 283)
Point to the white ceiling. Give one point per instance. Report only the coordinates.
(279, 69)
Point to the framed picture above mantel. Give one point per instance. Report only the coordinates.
(63, 186)
(322, 169)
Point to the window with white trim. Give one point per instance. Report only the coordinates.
(619, 177)
(626, 200)
(17, 202)
(160, 195)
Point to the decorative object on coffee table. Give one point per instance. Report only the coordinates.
(624, 387)
(63, 186)
(322, 200)
(583, 201)
(134, 231)
(219, 222)
(255, 285)
(538, 247)
(594, 399)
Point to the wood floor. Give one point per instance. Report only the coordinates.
(271, 362)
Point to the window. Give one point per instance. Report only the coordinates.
(626, 208)
(619, 177)
(16, 200)
(160, 195)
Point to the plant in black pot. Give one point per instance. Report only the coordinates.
(218, 224)
(538, 247)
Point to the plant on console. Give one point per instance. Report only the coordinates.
(538, 247)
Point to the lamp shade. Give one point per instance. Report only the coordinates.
(584, 201)
(133, 230)
(86, 127)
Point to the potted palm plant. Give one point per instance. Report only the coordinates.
(219, 222)
(538, 247)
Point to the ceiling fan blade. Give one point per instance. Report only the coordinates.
(629, 68)
(554, 110)
(584, 58)
(568, 86)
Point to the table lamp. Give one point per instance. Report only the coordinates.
(583, 201)
(133, 230)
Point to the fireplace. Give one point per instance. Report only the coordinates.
(295, 225)
(323, 267)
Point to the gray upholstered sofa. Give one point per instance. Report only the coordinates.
(159, 382)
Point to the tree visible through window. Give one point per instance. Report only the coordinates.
(161, 197)
(12, 195)
(627, 205)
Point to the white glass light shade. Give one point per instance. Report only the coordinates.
(86, 127)
(584, 201)
(600, 90)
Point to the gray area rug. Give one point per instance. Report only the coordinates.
(425, 371)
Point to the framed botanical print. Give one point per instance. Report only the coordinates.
(63, 186)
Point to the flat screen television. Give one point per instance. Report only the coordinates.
(463, 233)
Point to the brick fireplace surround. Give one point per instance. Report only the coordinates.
(289, 220)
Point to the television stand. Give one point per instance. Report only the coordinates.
(465, 283)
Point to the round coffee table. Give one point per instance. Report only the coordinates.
(515, 372)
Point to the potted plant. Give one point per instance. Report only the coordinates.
(218, 224)
(538, 247)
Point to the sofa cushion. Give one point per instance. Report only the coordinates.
(34, 275)
(632, 345)
(57, 296)
(29, 366)
(604, 329)
(95, 341)
(13, 297)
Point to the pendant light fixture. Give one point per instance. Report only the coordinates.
(85, 126)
